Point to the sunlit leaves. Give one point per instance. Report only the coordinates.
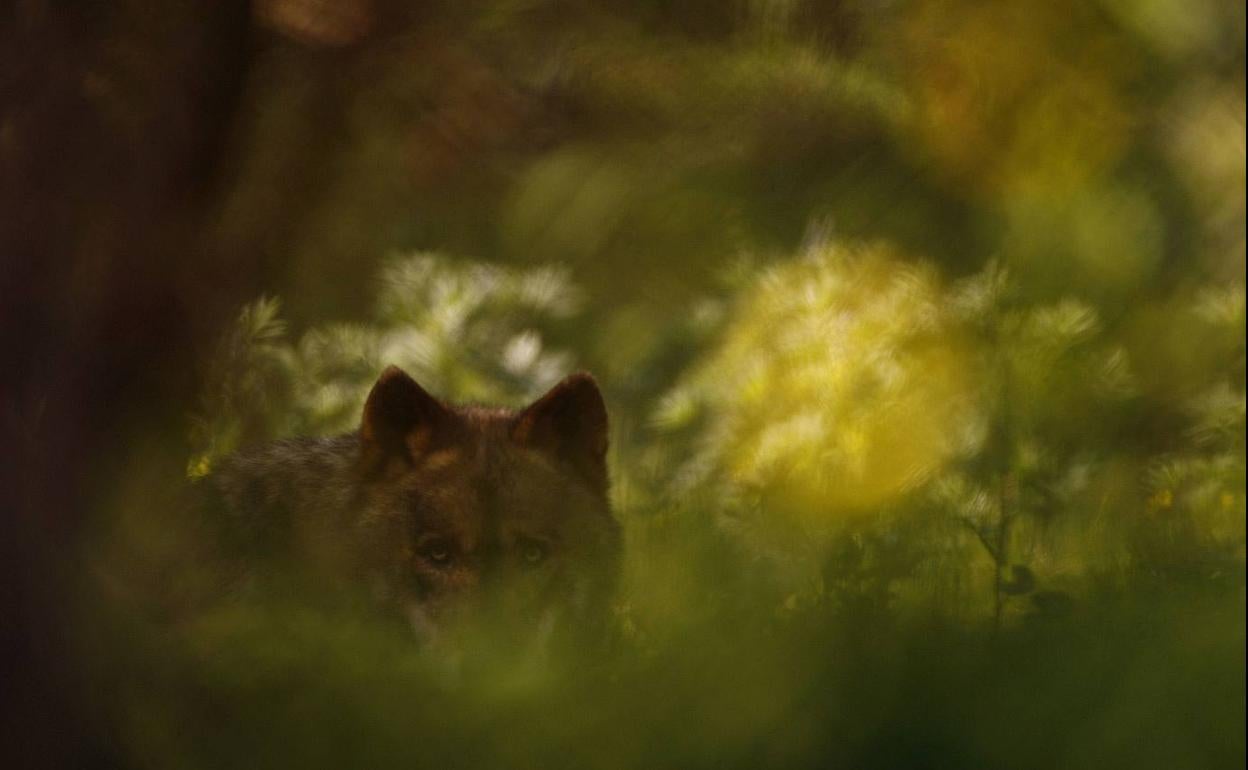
(467, 331)
(247, 373)
(839, 384)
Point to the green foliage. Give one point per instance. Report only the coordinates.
(470, 331)
(921, 326)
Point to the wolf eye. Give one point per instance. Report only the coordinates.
(533, 552)
(437, 550)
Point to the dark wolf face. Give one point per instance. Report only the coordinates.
(488, 516)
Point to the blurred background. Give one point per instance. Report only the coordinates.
(921, 324)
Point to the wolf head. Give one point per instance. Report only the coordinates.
(479, 513)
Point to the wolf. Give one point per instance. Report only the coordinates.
(448, 515)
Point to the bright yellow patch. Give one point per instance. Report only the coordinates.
(844, 384)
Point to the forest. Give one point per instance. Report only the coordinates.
(920, 325)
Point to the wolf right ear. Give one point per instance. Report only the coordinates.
(570, 424)
(400, 419)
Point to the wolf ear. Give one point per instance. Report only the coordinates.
(569, 423)
(400, 419)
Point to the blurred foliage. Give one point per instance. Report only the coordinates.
(922, 329)
(463, 328)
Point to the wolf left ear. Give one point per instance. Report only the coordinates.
(400, 419)
(569, 423)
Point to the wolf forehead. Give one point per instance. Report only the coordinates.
(483, 468)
